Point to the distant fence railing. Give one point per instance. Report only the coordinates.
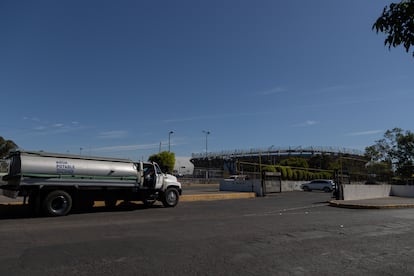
(279, 151)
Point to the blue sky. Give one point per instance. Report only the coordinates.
(115, 77)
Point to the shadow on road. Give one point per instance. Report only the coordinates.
(321, 202)
(14, 211)
(23, 211)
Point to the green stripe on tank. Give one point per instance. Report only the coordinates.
(76, 176)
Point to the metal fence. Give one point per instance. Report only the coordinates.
(279, 151)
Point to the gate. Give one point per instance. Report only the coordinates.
(271, 182)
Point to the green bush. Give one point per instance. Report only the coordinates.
(269, 169)
(284, 173)
(294, 175)
(300, 175)
(289, 173)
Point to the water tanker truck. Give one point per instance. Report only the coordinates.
(54, 183)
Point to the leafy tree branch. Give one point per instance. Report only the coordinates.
(397, 22)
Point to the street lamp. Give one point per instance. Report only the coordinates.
(206, 132)
(169, 140)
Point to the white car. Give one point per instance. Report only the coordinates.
(319, 184)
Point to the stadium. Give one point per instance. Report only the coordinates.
(317, 161)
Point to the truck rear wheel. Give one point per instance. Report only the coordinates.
(57, 203)
(170, 197)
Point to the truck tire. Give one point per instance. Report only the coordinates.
(57, 203)
(170, 197)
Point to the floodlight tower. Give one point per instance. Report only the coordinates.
(169, 140)
(206, 132)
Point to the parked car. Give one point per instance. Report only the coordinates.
(319, 184)
(238, 177)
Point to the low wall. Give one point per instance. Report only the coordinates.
(190, 180)
(402, 190)
(256, 186)
(242, 186)
(354, 191)
(289, 186)
(350, 191)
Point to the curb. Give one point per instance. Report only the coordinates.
(367, 206)
(198, 197)
(195, 197)
(183, 198)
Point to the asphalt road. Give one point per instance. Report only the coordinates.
(293, 233)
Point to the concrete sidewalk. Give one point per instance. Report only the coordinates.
(375, 203)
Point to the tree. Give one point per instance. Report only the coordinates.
(165, 159)
(6, 146)
(396, 149)
(397, 22)
(381, 171)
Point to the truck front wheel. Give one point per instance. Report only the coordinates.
(170, 197)
(57, 203)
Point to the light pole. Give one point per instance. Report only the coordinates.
(206, 132)
(169, 140)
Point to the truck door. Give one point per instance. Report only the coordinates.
(150, 175)
(159, 177)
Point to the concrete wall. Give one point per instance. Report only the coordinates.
(256, 186)
(191, 180)
(242, 186)
(402, 190)
(352, 191)
(289, 186)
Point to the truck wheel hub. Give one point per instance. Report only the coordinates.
(59, 203)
